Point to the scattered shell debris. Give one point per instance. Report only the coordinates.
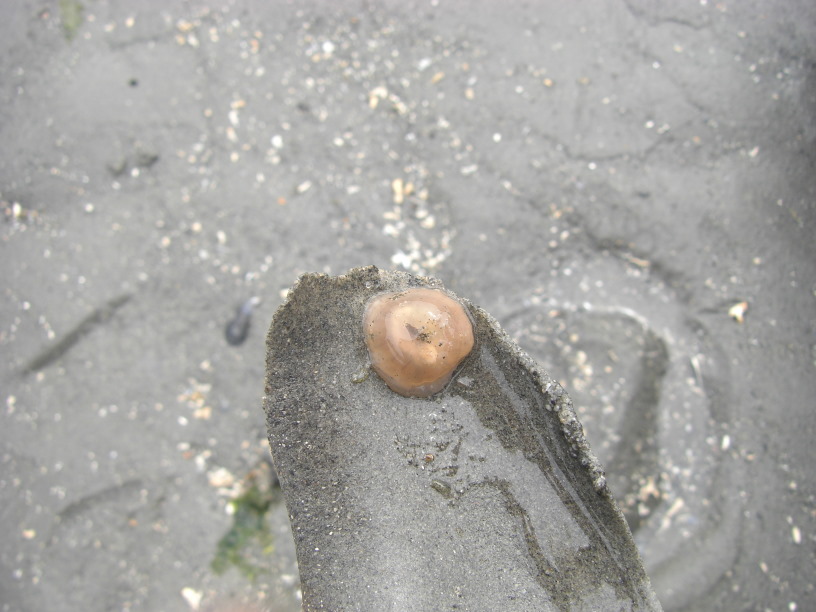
(411, 221)
(195, 398)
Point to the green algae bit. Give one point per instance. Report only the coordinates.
(249, 534)
(71, 12)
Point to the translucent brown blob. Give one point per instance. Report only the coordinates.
(416, 339)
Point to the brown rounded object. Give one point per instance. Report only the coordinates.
(416, 339)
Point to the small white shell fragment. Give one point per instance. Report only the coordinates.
(192, 597)
(220, 477)
(737, 311)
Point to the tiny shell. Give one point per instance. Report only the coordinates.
(416, 339)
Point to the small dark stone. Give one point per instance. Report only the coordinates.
(238, 328)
